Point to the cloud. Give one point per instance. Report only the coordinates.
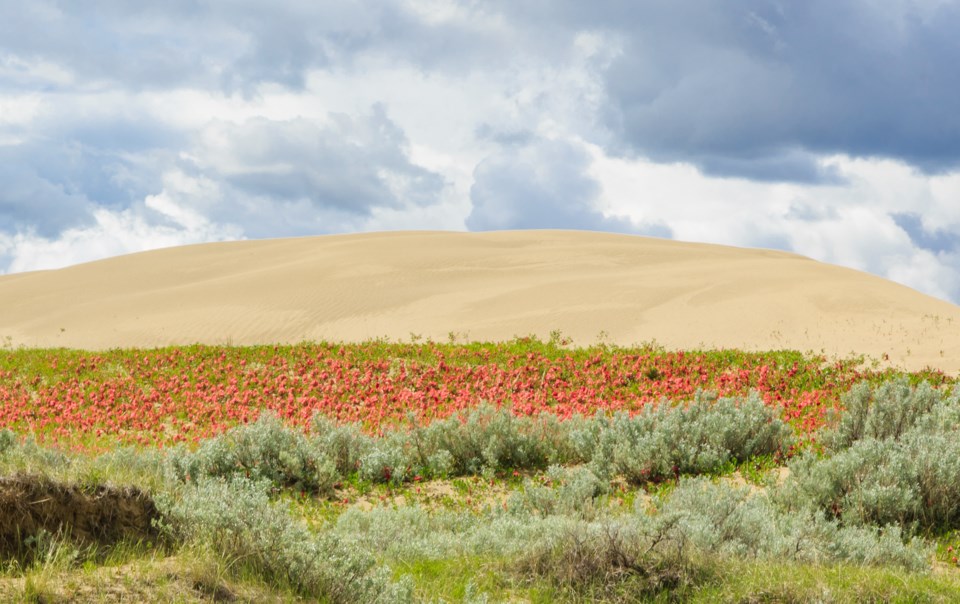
(236, 47)
(320, 173)
(762, 88)
(857, 221)
(935, 240)
(302, 176)
(29, 202)
(111, 234)
(545, 184)
(67, 163)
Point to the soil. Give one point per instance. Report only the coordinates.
(98, 516)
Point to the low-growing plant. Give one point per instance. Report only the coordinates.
(896, 460)
(266, 449)
(664, 442)
(236, 518)
(913, 482)
(486, 438)
(343, 443)
(658, 443)
(570, 492)
(8, 440)
(730, 520)
(887, 411)
(610, 560)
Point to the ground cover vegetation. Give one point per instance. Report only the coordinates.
(525, 471)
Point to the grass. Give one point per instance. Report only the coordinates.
(771, 582)
(560, 522)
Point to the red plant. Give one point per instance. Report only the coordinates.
(172, 395)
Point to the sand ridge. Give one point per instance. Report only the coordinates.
(618, 289)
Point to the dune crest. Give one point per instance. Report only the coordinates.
(592, 287)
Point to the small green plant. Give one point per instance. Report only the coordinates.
(896, 460)
(883, 412)
(237, 519)
(266, 449)
(663, 442)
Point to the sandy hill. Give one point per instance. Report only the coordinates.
(481, 286)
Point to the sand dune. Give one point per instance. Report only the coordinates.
(481, 286)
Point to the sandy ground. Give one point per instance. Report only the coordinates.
(592, 287)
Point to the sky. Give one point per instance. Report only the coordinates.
(828, 128)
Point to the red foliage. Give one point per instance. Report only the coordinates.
(185, 394)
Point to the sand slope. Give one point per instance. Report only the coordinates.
(482, 286)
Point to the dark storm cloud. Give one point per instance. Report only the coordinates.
(758, 88)
(934, 240)
(313, 175)
(541, 185)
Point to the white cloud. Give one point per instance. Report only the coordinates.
(850, 223)
(164, 220)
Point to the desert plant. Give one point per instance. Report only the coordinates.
(883, 412)
(729, 520)
(663, 441)
(896, 460)
(568, 491)
(607, 560)
(236, 519)
(265, 449)
(344, 444)
(913, 482)
(491, 439)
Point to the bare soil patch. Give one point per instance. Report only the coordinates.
(99, 516)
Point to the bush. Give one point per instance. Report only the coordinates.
(8, 440)
(266, 449)
(658, 443)
(488, 439)
(388, 459)
(728, 520)
(570, 492)
(236, 519)
(896, 460)
(344, 444)
(914, 482)
(662, 442)
(483, 440)
(885, 412)
(612, 561)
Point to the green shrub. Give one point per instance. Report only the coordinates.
(896, 460)
(913, 482)
(488, 439)
(236, 519)
(8, 440)
(266, 449)
(662, 441)
(658, 443)
(26, 455)
(887, 411)
(570, 492)
(388, 459)
(344, 444)
(612, 561)
(729, 520)
(483, 440)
